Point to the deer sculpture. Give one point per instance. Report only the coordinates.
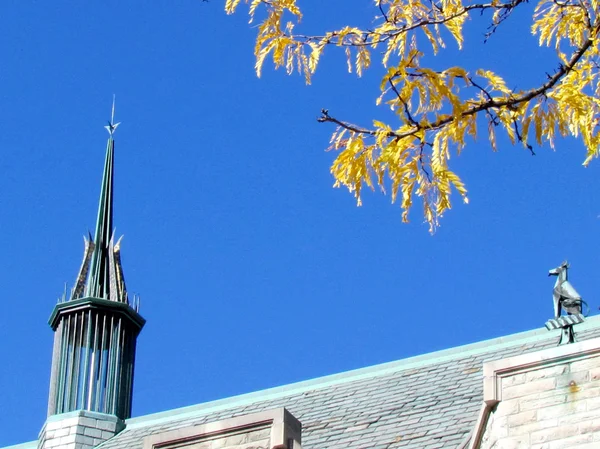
(564, 294)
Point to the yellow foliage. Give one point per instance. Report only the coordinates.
(437, 111)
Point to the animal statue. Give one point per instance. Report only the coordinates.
(564, 294)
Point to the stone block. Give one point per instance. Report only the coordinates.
(590, 426)
(522, 418)
(572, 380)
(513, 443)
(236, 440)
(263, 445)
(109, 426)
(539, 401)
(532, 427)
(68, 439)
(56, 423)
(576, 418)
(81, 429)
(217, 443)
(509, 407)
(577, 441)
(87, 422)
(60, 432)
(106, 434)
(86, 441)
(48, 444)
(516, 379)
(554, 433)
(560, 410)
(593, 403)
(95, 433)
(588, 391)
(543, 373)
(528, 388)
(595, 374)
(585, 364)
(204, 445)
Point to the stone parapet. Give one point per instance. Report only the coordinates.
(543, 400)
(80, 429)
(271, 429)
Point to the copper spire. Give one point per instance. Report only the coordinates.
(101, 275)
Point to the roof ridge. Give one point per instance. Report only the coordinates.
(440, 356)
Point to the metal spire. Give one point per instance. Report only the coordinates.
(105, 277)
(112, 126)
(97, 328)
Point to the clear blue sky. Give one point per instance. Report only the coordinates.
(253, 271)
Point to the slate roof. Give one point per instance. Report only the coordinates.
(425, 402)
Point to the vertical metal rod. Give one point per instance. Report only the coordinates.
(75, 358)
(72, 371)
(65, 371)
(98, 370)
(75, 373)
(91, 397)
(102, 371)
(125, 366)
(86, 368)
(131, 343)
(79, 349)
(118, 365)
(110, 371)
(69, 367)
(60, 370)
(102, 378)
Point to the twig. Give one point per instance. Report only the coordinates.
(406, 111)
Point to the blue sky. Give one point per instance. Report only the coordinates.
(253, 271)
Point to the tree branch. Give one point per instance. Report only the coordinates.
(370, 38)
(511, 102)
(406, 111)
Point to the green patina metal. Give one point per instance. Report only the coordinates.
(99, 280)
(97, 327)
(95, 303)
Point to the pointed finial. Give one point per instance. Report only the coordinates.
(112, 126)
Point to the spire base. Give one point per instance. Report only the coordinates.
(94, 356)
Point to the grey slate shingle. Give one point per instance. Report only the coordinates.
(430, 404)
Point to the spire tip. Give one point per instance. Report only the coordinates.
(112, 126)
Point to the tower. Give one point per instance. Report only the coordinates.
(95, 333)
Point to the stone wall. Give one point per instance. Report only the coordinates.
(78, 430)
(551, 404)
(254, 439)
(271, 429)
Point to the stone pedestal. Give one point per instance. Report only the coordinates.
(80, 429)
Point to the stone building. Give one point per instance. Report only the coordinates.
(518, 391)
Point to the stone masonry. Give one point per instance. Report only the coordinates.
(271, 429)
(255, 439)
(549, 407)
(78, 430)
